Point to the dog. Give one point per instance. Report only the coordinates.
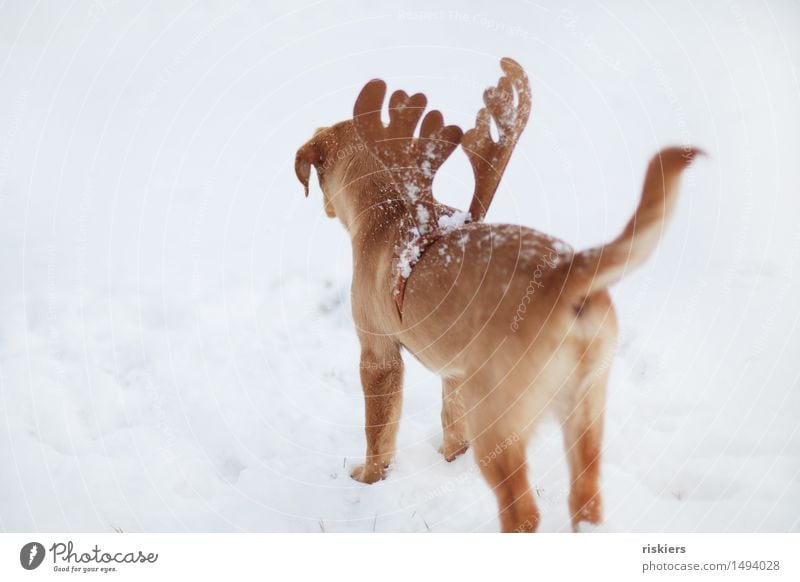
(517, 324)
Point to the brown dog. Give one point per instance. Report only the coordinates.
(517, 325)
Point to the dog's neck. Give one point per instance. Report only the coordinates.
(377, 217)
(371, 208)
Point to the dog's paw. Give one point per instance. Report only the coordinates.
(369, 473)
(452, 448)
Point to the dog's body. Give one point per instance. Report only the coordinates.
(517, 325)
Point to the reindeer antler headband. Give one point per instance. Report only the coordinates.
(413, 161)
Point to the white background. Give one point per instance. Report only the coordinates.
(176, 349)
(481, 557)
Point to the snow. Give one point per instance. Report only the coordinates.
(449, 222)
(177, 350)
(408, 257)
(423, 217)
(410, 253)
(411, 189)
(430, 156)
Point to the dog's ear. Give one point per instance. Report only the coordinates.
(307, 155)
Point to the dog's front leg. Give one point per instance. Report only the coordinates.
(382, 381)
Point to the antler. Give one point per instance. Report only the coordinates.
(411, 161)
(489, 158)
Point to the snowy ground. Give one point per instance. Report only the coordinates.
(176, 349)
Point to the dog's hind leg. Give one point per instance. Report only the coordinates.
(501, 458)
(382, 382)
(454, 424)
(583, 441)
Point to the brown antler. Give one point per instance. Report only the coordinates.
(411, 161)
(489, 158)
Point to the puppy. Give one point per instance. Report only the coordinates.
(517, 324)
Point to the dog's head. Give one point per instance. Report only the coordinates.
(336, 153)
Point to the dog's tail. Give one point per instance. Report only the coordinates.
(595, 269)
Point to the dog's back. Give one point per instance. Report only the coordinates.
(487, 301)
